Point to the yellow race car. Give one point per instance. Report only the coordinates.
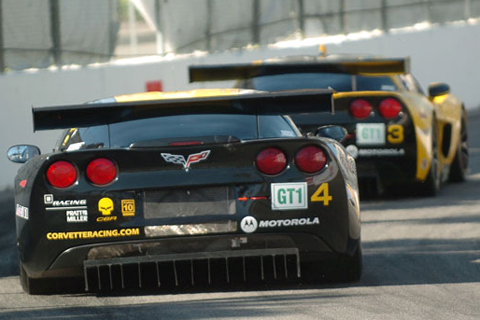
(400, 136)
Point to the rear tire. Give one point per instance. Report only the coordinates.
(459, 168)
(432, 184)
(351, 267)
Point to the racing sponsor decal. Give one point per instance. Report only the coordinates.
(128, 207)
(288, 222)
(21, 212)
(352, 150)
(77, 215)
(391, 152)
(66, 204)
(289, 196)
(97, 234)
(249, 224)
(179, 159)
(105, 207)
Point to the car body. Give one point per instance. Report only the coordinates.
(185, 188)
(401, 138)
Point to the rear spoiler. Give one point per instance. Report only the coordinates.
(261, 103)
(251, 70)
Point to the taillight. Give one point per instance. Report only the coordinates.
(390, 108)
(360, 108)
(311, 159)
(61, 174)
(271, 161)
(101, 171)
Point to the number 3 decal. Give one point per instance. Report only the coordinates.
(395, 134)
(322, 195)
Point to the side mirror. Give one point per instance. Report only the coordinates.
(333, 132)
(438, 89)
(22, 153)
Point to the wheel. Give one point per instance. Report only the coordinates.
(458, 170)
(432, 184)
(351, 266)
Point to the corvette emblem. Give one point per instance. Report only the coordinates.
(179, 159)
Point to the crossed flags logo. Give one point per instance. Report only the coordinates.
(179, 159)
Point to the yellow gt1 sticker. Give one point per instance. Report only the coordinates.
(322, 194)
(395, 134)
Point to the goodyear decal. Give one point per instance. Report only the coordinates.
(97, 234)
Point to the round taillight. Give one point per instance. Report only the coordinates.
(360, 108)
(311, 159)
(101, 171)
(390, 108)
(271, 161)
(61, 174)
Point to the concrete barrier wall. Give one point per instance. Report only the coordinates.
(448, 53)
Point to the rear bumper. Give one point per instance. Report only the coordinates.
(107, 260)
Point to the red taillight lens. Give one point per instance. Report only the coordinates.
(271, 161)
(101, 171)
(311, 159)
(61, 174)
(390, 108)
(360, 108)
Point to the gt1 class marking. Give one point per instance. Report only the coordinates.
(289, 196)
(73, 235)
(322, 194)
(128, 207)
(22, 212)
(395, 134)
(370, 134)
(179, 159)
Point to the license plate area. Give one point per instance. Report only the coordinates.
(174, 203)
(370, 134)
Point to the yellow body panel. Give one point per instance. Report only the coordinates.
(198, 93)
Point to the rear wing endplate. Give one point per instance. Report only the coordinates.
(261, 103)
(250, 70)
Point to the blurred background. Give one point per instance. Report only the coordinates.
(56, 52)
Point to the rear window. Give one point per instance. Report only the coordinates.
(338, 81)
(214, 126)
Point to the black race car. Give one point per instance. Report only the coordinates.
(185, 189)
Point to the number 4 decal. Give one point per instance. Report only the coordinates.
(322, 195)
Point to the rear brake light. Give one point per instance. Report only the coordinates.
(390, 108)
(61, 174)
(185, 143)
(360, 108)
(101, 171)
(271, 161)
(310, 159)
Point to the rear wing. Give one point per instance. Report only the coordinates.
(261, 103)
(318, 65)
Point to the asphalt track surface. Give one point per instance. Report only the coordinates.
(421, 261)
